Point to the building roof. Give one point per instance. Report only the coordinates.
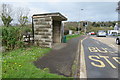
(55, 16)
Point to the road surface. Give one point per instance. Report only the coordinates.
(101, 57)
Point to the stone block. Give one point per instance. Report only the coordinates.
(48, 40)
(44, 36)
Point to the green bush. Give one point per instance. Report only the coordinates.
(12, 37)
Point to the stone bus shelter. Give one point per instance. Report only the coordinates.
(47, 29)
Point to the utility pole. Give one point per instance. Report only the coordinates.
(85, 29)
(85, 24)
(118, 15)
(78, 27)
(79, 22)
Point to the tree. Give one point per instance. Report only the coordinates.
(6, 20)
(22, 16)
(23, 20)
(6, 14)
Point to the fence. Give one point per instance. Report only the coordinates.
(28, 38)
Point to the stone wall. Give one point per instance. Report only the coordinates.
(43, 31)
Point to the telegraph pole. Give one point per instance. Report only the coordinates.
(85, 24)
(78, 27)
(79, 22)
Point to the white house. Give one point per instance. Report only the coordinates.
(70, 32)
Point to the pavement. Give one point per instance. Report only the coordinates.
(58, 46)
(101, 57)
(60, 59)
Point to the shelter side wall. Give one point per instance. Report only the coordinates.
(43, 31)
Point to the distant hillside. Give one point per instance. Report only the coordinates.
(92, 26)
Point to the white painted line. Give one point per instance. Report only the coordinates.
(82, 62)
(99, 54)
(100, 40)
(97, 42)
(112, 45)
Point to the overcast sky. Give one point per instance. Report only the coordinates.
(92, 10)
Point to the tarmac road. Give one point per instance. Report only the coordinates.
(101, 59)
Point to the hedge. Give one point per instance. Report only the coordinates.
(12, 37)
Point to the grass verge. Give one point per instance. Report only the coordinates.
(68, 37)
(19, 64)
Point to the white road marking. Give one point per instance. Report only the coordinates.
(98, 54)
(112, 45)
(106, 41)
(97, 42)
(82, 62)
